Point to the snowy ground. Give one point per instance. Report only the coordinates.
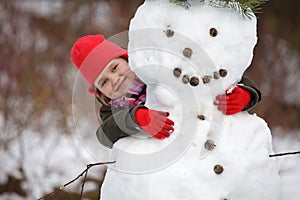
(48, 161)
(53, 159)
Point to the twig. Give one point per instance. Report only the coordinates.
(85, 171)
(284, 154)
(82, 186)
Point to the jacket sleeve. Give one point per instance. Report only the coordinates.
(116, 124)
(255, 93)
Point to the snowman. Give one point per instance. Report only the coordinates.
(187, 55)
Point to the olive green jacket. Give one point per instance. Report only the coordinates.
(247, 84)
(120, 122)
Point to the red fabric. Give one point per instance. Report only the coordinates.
(83, 46)
(154, 122)
(233, 101)
(91, 54)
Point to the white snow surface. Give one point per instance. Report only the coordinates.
(48, 162)
(180, 168)
(288, 165)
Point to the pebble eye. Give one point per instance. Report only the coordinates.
(213, 32)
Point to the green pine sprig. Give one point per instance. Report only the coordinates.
(245, 7)
(183, 3)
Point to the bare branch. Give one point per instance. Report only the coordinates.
(284, 154)
(73, 180)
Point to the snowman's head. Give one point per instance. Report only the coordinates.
(226, 38)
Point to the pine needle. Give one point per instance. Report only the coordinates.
(245, 7)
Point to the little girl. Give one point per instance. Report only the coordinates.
(104, 66)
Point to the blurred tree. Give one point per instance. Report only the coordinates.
(33, 96)
(276, 64)
(35, 69)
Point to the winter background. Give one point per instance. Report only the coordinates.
(43, 147)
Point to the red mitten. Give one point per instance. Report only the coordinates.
(233, 101)
(154, 122)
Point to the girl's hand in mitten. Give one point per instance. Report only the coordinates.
(233, 101)
(154, 122)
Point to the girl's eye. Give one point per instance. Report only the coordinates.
(103, 82)
(114, 69)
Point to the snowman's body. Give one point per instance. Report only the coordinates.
(182, 167)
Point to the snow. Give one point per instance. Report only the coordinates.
(51, 158)
(48, 161)
(288, 165)
(178, 167)
(243, 141)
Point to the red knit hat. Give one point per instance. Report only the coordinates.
(91, 54)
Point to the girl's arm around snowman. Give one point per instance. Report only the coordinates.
(255, 94)
(116, 124)
(125, 121)
(242, 97)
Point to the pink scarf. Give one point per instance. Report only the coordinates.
(136, 95)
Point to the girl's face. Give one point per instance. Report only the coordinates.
(116, 79)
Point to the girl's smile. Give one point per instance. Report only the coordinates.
(116, 79)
